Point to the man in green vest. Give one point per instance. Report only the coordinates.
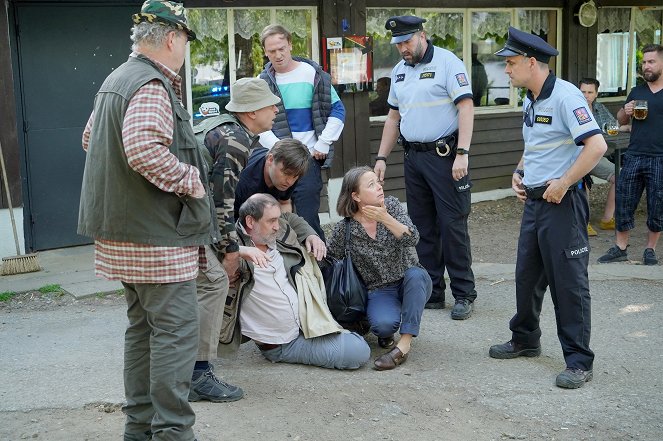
(146, 203)
(228, 138)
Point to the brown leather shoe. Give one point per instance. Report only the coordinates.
(390, 360)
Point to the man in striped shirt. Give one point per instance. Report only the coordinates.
(145, 202)
(310, 111)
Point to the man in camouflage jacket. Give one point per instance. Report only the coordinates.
(251, 111)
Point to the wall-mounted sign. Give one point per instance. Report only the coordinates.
(349, 61)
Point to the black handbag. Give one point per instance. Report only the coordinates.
(346, 291)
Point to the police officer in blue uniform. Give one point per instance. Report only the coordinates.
(562, 144)
(432, 112)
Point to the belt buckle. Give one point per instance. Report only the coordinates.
(447, 149)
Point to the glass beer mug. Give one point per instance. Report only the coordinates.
(640, 109)
(612, 128)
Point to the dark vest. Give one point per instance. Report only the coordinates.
(320, 107)
(118, 203)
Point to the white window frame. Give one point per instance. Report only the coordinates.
(230, 18)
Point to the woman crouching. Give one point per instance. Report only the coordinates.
(382, 248)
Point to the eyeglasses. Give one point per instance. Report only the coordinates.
(527, 119)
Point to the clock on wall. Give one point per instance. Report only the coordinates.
(587, 14)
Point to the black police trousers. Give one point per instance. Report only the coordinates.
(553, 251)
(440, 213)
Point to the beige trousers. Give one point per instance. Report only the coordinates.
(212, 289)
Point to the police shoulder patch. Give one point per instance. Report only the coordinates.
(582, 115)
(425, 75)
(400, 77)
(462, 79)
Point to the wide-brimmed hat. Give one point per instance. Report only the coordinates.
(162, 11)
(249, 94)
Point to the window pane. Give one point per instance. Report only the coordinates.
(445, 30)
(647, 31)
(489, 33)
(209, 59)
(248, 52)
(210, 68)
(385, 56)
(612, 50)
(542, 23)
(298, 22)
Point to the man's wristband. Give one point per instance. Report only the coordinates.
(232, 248)
(520, 172)
(381, 158)
(462, 151)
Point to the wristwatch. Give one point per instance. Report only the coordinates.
(460, 151)
(520, 172)
(381, 158)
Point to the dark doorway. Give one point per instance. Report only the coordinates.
(64, 54)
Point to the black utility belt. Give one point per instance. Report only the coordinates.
(536, 193)
(445, 146)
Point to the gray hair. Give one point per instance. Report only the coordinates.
(255, 206)
(152, 35)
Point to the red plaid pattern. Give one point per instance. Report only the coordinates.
(147, 131)
(137, 263)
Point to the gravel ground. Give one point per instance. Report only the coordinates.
(449, 388)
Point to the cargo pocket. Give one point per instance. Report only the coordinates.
(230, 315)
(214, 271)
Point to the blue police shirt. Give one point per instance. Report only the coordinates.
(426, 94)
(554, 127)
(252, 181)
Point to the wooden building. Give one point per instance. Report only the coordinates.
(55, 54)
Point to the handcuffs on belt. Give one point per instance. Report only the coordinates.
(442, 147)
(447, 149)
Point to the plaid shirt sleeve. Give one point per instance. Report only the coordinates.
(86, 132)
(147, 131)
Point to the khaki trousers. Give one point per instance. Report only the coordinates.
(159, 354)
(212, 290)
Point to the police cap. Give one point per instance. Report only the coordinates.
(402, 27)
(528, 45)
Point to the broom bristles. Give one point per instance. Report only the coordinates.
(26, 263)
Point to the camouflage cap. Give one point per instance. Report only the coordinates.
(163, 11)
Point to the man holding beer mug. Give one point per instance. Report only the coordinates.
(643, 161)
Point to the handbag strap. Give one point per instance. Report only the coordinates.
(347, 236)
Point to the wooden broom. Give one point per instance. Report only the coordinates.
(18, 264)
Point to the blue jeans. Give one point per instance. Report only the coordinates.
(346, 350)
(399, 305)
(306, 196)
